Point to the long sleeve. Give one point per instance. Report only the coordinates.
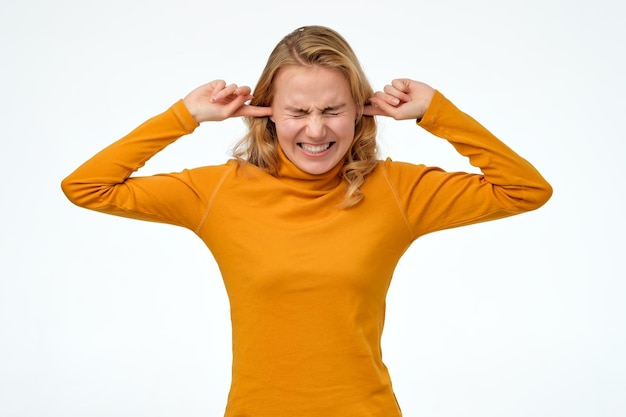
(434, 200)
(104, 183)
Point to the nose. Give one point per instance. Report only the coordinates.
(316, 127)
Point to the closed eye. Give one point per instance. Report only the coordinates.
(335, 110)
(295, 112)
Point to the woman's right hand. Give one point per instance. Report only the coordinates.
(216, 101)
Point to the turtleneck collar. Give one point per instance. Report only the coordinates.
(297, 178)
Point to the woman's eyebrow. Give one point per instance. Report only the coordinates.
(334, 108)
(294, 109)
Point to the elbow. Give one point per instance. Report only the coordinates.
(548, 191)
(538, 195)
(68, 186)
(525, 198)
(76, 191)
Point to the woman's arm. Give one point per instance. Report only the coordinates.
(104, 182)
(434, 199)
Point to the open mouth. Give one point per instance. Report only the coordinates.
(315, 149)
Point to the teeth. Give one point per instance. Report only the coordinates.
(315, 148)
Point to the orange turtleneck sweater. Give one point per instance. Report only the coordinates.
(307, 281)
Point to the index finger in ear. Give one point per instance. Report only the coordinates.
(371, 110)
(254, 111)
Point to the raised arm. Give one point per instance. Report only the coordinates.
(435, 199)
(104, 182)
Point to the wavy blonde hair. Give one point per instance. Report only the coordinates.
(308, 46)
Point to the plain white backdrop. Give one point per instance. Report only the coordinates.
(103, 316)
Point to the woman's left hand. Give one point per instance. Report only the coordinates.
(403, 99)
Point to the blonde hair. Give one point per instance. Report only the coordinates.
(308, 46)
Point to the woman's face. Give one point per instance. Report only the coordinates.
(315, 115)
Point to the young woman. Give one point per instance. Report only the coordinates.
(306, 223)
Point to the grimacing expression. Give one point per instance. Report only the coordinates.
(314, 114)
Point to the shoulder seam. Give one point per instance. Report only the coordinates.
(394, 191)
(209, 203)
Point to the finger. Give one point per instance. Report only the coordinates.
(224, 92)
(402, 84)
(232, 103)
(387, 97)
(217, 85)
(244, 90)
(379, 107)
(237, 107)
(400, 95)
(372, 110)
(254, 111)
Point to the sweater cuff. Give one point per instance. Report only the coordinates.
(430, 117)
(184, 117)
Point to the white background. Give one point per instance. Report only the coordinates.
(103, 316)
